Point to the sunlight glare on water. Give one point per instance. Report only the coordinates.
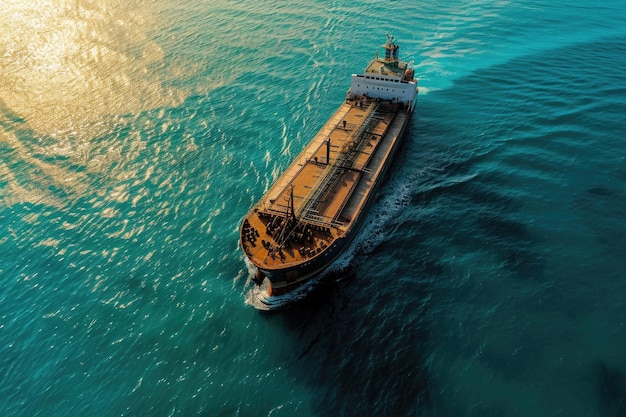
(67, 63)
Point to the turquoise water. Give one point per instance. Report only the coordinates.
(488, 279)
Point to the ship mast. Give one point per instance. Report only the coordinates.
(391, 51)
(292, 209)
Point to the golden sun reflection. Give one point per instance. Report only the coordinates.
(67, 63)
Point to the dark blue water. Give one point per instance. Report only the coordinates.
(488, 279)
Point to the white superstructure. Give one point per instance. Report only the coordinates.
(387, 79)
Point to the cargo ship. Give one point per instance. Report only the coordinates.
(312, 212)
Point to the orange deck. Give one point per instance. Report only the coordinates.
(318, 198)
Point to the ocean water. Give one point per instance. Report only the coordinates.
(488, 279)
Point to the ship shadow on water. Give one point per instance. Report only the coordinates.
(609, 384)
(361, 347)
